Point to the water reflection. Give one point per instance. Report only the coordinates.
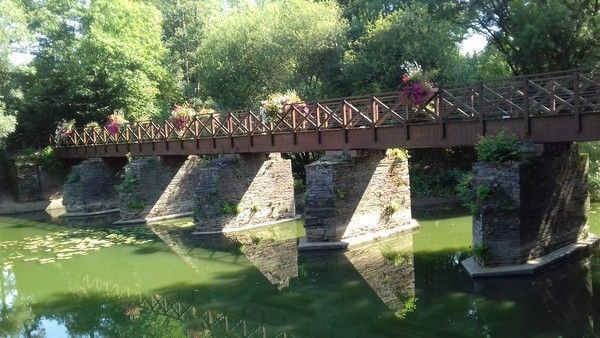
(161, 281)
(388, 268)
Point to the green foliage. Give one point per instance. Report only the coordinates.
(438, 183)
(130, 183)
(481, 252)
(94, 60)
(391, 208)
(340, 194)
(406, 39)
(49, 161)
(593, 151)
(409, 305)
(299, 186)
(136, 204)
(498, 148)
(539, 36)
(254, 208)
(73, 177)
(399, 154)
(228, 208)
(396, 257)
(270, 47)
(464, 188)
(472, 198)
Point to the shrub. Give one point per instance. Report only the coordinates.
(498, 148)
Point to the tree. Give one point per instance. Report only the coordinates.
(406, 38)
(274, 46)
(93, 59)
(183, 33)
(539, 36)
(13, 32)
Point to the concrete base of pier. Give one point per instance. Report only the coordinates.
(577, 250)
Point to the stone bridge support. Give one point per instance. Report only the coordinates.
(90, 187)
(354, 197)
(236, 192)
(530, 213)
(158, 187)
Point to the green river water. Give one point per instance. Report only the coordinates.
(160, 281)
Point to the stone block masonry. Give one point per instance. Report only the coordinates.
(356, 198)
(532, 207)
(90, 186)
(158, 186)
(243, 191)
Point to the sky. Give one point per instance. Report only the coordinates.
(473, 43)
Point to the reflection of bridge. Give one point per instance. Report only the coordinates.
(193, 317)
(551, 107)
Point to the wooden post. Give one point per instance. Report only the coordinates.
(577, 99)
(526, 108)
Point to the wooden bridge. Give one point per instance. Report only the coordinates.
(551, 107)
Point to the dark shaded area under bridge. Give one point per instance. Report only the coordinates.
(551, 107)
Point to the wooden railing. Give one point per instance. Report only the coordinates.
(574, 92)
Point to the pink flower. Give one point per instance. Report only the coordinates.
(112, 128)
(405, 78)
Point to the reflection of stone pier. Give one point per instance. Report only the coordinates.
(276, 257)
(388, 268)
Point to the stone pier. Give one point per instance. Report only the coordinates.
(236, 192)
(357, 196)
(158, 187)
(530, 213)
(90, 187)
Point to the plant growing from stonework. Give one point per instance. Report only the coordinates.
(472, 198)
(254, 209)
(391, 208)
(393, 256)
(129, 184)
(136, 205)
(409, 305)
(228, 208)
(398, 154)
(73, 177)
(481, 253)
(498, 148)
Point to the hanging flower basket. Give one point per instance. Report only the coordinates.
(116, 122)
(181, 116)
(279, 103)
(65, 129)
(416, 89)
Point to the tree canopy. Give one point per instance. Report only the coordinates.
(142, 57)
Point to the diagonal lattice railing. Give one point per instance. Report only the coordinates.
(568, 92)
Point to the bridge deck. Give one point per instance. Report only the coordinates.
(551, 107)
